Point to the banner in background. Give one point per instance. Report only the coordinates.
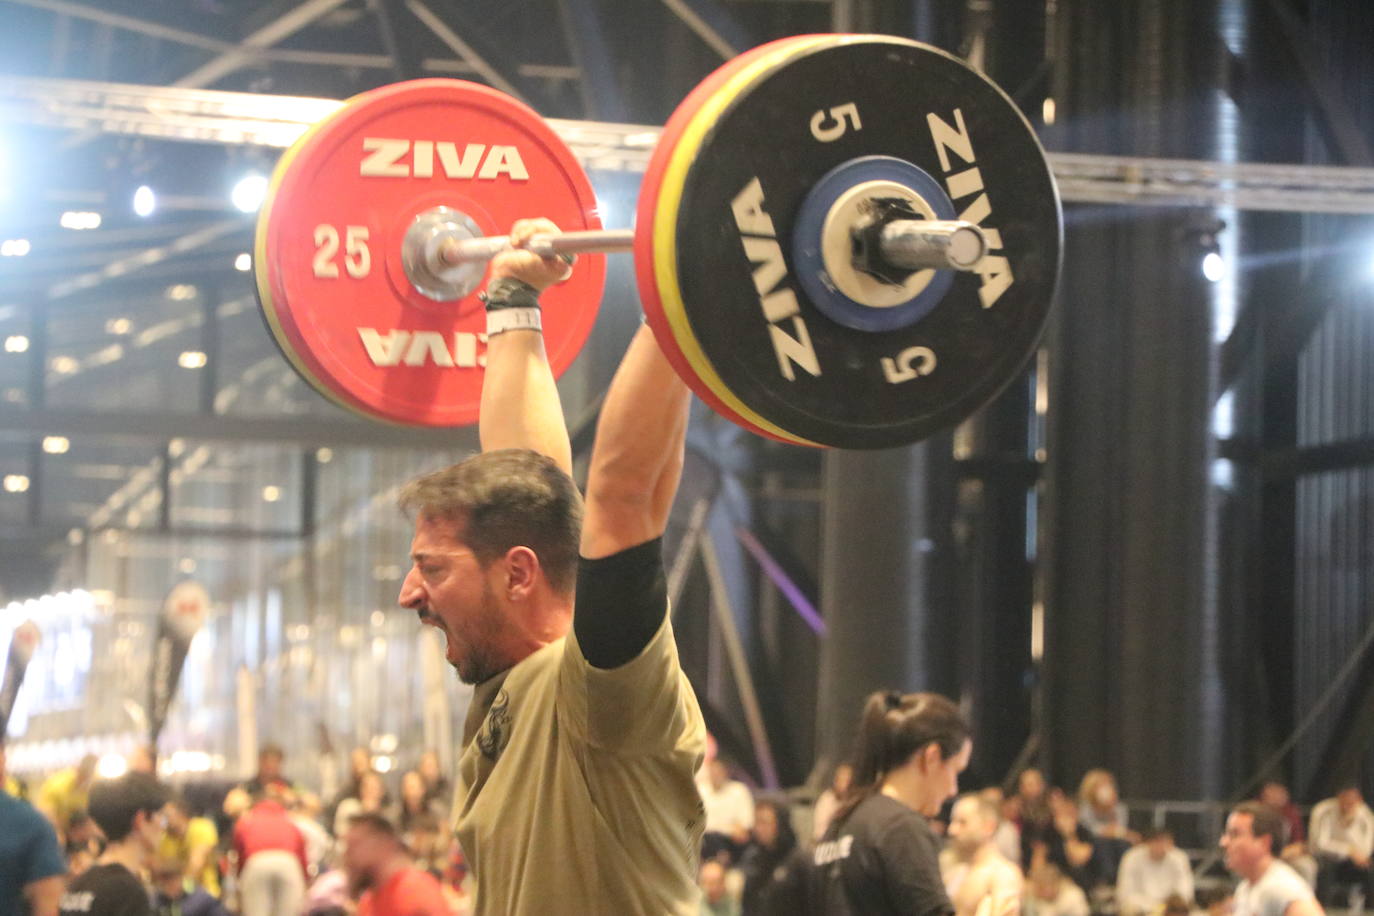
(22, 646)
(183, 614)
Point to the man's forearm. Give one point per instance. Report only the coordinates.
(520, 403)
(44, 895)
(637, 461)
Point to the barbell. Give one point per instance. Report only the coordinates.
(842, 240)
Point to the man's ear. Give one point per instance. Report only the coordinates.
(522, 572)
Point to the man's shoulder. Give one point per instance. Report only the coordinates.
(1004, 868)
(18, 815)
(538, 663)
(1134, 855)
(1281, 879)
(1324, 807)
(415, 885)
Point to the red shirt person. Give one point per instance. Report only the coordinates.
(273, 867)
(377, 862)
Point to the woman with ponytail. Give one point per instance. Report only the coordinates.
(879, 855)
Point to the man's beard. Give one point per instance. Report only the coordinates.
(481, 661)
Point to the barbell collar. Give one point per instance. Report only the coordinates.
(918, 244)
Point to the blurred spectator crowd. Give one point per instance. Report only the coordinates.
(1033, 850)
(382, 845)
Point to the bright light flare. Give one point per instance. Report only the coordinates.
(249, 193)
(79, 219)
(145, 201)
(1213, 267)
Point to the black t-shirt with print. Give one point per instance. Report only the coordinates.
(106, 890)
(882, 860)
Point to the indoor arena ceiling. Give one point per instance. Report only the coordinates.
(125, 346)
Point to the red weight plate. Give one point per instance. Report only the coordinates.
(335, 290)
(646, 208)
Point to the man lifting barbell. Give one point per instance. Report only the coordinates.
(575, 785)
(844, 241)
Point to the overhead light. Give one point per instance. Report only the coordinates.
(324, 454)
(1213, 266)
(118, 326)
(64, 365)
(16, 483)
(111, 766)
(145, 201)
(192, 359)
(181, 292)
(1047, 110)
(15, 248)
(271, 494)
(16, 343)
(56, 445)
(80, 219)
(243, 262)
(248, 194)
(186, 566)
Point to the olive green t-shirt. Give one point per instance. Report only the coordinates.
(575, 787)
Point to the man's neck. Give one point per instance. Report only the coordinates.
(388, 870)
(128, 852)
(985, 854)
(1259, 870)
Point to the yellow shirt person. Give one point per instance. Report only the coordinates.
(194, 843)
(65, 792)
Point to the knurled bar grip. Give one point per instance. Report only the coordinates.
(909, 244)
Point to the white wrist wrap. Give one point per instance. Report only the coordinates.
(518, 319)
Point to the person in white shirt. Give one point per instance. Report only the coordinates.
(729, 811)
(980, 880)
(1341, 836)
(1152, 872)
(1049, 893)
(1268, 887)
(829, 801)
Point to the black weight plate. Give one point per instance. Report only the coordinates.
(871, 389)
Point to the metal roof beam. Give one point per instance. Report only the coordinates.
(130, 24)
(293, 430)
(713, 25)
(276, 31)
(462, 48)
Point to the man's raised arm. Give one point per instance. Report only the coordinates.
(637, 460)
(520, 405)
